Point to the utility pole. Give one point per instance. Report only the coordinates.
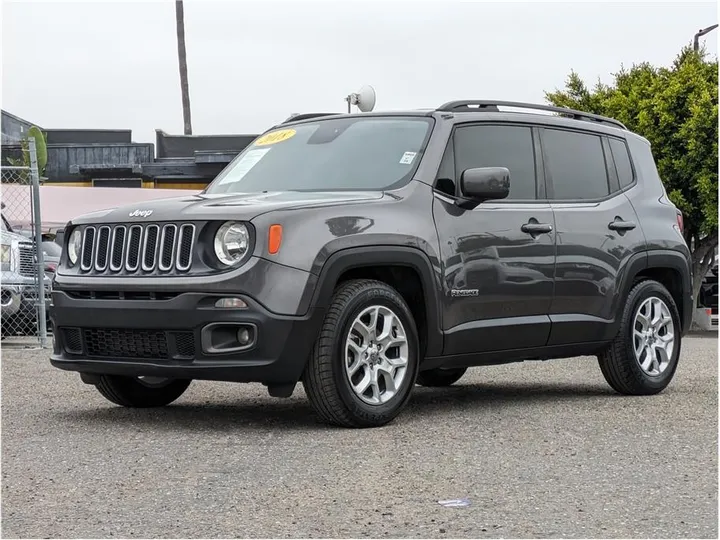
(182, 60)
(700, 33)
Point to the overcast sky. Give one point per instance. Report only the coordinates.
(108, 64)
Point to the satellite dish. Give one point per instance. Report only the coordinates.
(364, 99)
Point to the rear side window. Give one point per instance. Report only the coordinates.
(499, 146)
(622, 162)
(576, 164)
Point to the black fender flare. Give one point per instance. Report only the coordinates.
(676, 260)
(365, 256)
(648, 260)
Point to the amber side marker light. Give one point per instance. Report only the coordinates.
(274, 239)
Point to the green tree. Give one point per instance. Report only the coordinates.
(676, 109)
(40, 149)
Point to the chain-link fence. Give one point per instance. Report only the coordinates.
(24, 282)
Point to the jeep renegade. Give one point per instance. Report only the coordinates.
(365, 253)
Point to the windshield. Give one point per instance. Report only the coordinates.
(342, 154)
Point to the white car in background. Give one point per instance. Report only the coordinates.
(18, 284)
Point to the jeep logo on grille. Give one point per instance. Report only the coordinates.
(140, 213)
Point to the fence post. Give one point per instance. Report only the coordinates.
(37, 226)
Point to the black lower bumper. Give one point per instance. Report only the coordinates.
(169, 337)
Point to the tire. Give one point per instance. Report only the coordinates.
(619, 364)
(440, 377)
(327, 378)
(131, 392)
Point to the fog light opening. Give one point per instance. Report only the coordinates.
(228, 337)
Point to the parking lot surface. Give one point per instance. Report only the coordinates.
(540, 449)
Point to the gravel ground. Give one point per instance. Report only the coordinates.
(540, 449)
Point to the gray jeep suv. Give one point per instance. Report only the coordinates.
(365, 253)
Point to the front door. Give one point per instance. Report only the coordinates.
(499, 258)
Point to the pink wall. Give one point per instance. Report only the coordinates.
(60, 204)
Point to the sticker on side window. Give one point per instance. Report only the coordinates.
(407, 158)
(275, 137)
(242, 167)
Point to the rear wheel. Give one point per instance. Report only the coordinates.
(643, 356)
(364, 363)
(440, 376)
(141, 392)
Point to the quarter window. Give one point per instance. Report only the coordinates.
(576, 164)
(499, 146)
(622, 162)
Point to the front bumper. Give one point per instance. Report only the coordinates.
(168, 337)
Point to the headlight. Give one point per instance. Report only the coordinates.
(5, 257)
(232, 242)
(74, 246)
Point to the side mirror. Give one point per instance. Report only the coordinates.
(485, 183)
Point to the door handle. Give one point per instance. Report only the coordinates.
(536, 228)
(620, 225)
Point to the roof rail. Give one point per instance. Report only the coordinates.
(474, 105)
(305, 116)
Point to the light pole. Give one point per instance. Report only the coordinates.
(701, 33)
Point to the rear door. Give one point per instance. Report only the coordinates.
(499, 258)
(597, 230)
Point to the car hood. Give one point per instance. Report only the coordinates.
(240, 206)
(6, 237)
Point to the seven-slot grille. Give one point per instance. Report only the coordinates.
(153, 247)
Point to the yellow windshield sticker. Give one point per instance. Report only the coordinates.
(275, 137)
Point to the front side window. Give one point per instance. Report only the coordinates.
(371, 153)
(499, 146)
(576, 164)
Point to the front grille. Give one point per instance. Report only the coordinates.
(150, 244)
(119, 343)
(26, 262)
(137, 249)
(122, 343)
(103, 249)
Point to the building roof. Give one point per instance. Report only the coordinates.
(17, 118)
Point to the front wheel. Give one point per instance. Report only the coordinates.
(364, 362)
(141, 392)
(642, 358)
